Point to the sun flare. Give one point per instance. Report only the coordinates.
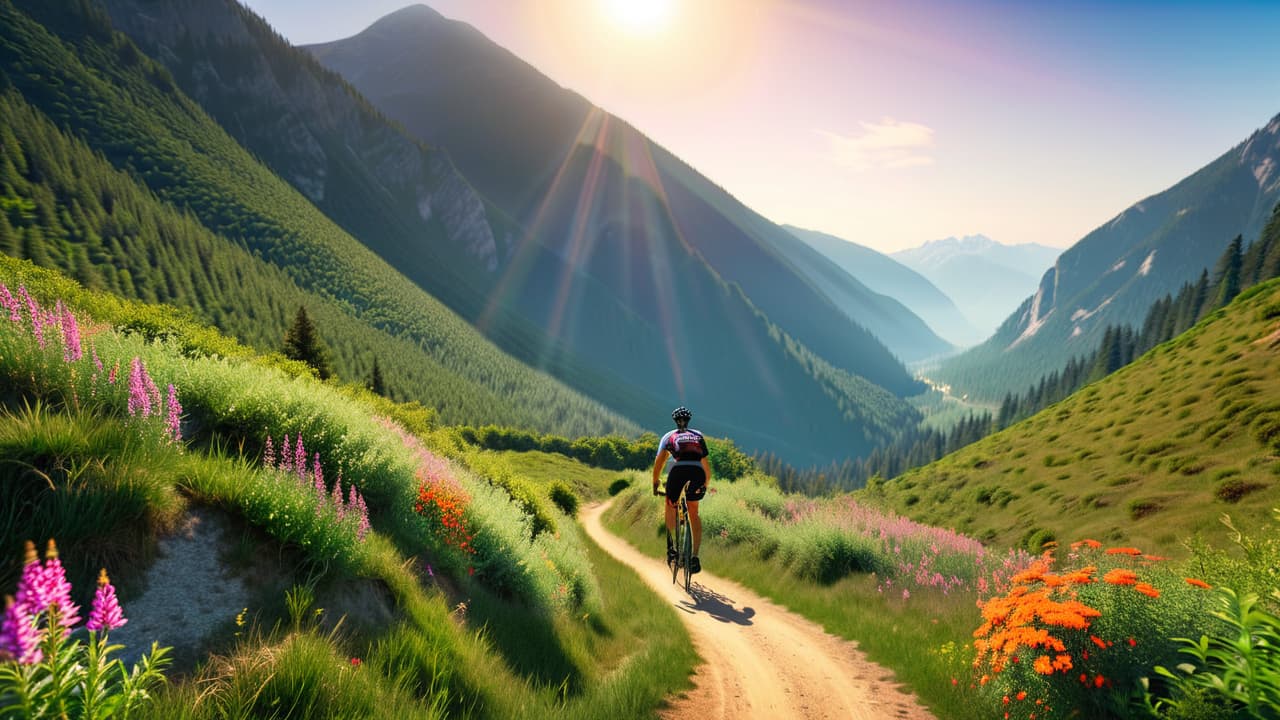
(642, 17)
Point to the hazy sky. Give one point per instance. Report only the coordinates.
(894, 123)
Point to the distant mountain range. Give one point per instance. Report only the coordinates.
(636, 282)
(985, 279)
(1115, 273)
(561, 171)
(884, 275)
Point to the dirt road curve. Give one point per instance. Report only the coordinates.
(762, 661)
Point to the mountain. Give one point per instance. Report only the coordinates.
(109, 172)
(1146, 456)
(984, 278)
(633, 336)
(1116, 272)
(564, 151)
(884, 275)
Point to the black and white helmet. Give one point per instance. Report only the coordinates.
(681, 414)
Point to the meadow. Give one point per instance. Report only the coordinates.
(1073, 631)
(494, 604)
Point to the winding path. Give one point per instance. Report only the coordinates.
(761, 660)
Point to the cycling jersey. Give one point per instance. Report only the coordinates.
(688, 447)
(685, 445)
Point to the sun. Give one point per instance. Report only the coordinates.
(640, 17)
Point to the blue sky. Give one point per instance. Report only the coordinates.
(891, 124)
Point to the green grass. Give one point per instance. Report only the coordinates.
(923, 639)
(547, 626)
(1174, 440)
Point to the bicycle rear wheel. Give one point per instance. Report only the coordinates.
(686, 549)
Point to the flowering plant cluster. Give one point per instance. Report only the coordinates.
(293, 461)
(145, 402)
(47, 672)
(1080, 637)
(441, 499)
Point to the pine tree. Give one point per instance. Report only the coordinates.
(301, 342)
(376, 384)
(1227, 274)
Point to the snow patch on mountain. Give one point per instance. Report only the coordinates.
(1263, 170)
(1147, 264)
(1118, 266)
(1033, 319)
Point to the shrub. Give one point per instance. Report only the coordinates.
(1234, 489)
(1079, 639)
(564, 498)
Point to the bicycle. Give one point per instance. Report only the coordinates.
(683, 540)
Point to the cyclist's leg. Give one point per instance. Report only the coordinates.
(673, 488)
(695, 523)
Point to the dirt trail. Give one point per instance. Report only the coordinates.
(762, 661)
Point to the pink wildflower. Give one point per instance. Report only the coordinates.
(337, 501)
(300, 459)
(153, 392)
(285, 465)
(363, 528)
(105, 613)
(174, 419)
(269, 455)
(111, 376)
(57, 589)
(318, 472)
(71, 351)
(19, 639)
(139, 398)
(31, 589)
(9, 303)
(97, 361)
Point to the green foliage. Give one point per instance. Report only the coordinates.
(1239, 669)
(302, 343)
(136, 191)
(564, 497)
(81, 680)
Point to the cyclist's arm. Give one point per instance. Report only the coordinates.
(658, 463)
(706, 470)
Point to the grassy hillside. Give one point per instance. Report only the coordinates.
(470, 593)
(1147, 456)
(110, 173)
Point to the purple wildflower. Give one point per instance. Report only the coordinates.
(139, 398)
(71, 351)
(34, 309)
(57, 589)
(19, 638)
(318, 480)
(10, 303)
(318, 472)
(174, 419)
(97, 361)
(31, 589)
(105, 613)
(111, 376)
(269, 455)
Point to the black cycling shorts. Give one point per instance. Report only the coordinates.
(691, 475)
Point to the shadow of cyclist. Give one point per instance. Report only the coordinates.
(716, 605)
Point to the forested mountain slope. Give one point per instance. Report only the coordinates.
(1115, 273)
(1155, 451)
(112, 174)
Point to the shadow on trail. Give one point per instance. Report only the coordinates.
(716, 605)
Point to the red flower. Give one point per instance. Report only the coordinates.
(1198, 583)
(355, 662)
(1124, 551)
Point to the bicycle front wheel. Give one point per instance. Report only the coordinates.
(686, 555)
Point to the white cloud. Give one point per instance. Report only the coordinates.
(888, 144)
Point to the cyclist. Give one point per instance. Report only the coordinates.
(691, 468)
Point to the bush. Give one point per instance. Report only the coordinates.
(564, 498)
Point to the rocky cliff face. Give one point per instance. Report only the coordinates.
(307, 124)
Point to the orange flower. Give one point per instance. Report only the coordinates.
(1123, 551)
(1043, 665)
(1147, 590)
(1102, 644)
(1098, 681)
(1022, 695)
(1083, 576)
(1120, 576)
(1198, 583)
(1092, 543)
